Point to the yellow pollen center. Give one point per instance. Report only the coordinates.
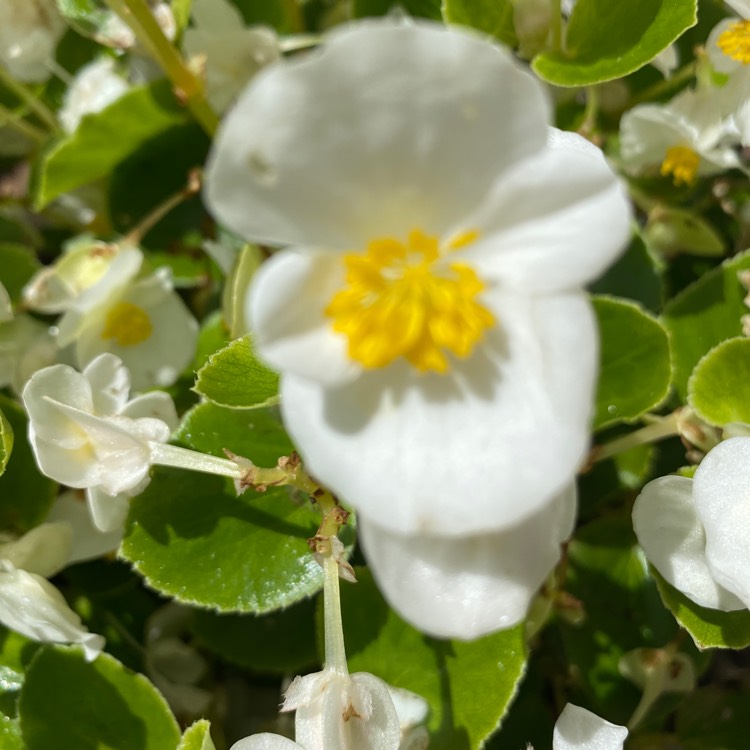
(682, 163)
(127, 324)
(735, 42)
(404, 299)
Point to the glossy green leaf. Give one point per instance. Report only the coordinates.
(709, 628)
(468, 685)
(197, 737)
(703, 315)
(67, 703)
(634, 372)
(16, 651)
(493, 17)
(25, 495)
(192, 538)
(6, 442)
(17, 265)
(236, 377)
(719, 388)
(10, 734)
(607, 40)
(278, 643)
(104, 139)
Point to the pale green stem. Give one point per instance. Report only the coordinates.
(165, 454)
(588, 125)
(188, 86)
(556, 24)
(661, 88)
(12, 120)
(334, 629)
(664, 428)
(29, 98)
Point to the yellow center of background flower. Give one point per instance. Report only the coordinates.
(735, 42)
(682, 163)
(127, 324)
(400, 301)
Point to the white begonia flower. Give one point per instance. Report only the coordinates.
(721, 490)
(94, 87)
(579, 729)
(233, 52)
(140, 319)
(29, 33)
(429, 322)
(674, 540)
(687, 138)
(468, 586)
(26, 345)
(32, 606)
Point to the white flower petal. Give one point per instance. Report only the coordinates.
(668, 530)
(311, 155)
(153, 405)
(721, 489)
(6, 308)
(469, 586)
(108, 512)
(33, 607)
(505, 433)
(741, 7)
(285, 311)
(266, 741)
(579, 729)
(44, 550)
(110, 384)
(530, 224)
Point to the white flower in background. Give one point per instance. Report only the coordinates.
(694, 532)
(141, 319)
(691, 136)
(6, 307)
(31, 605)
(94, 87)
(469, 585)
(26, 345)
(728, 44)
(412, 711)
(579, 729)
(233, 52)
(85, 432)
(667, 61)
(114, 32)
(425, 318)
(29, 33)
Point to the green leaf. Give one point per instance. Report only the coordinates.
(493, 17)
(249, 259)
(10, 734)
(104, 139)
(6, 442)
(703, 315)
(197, 737)
(191, 537)
(468, 685)
(416, 8)
(709, 628)
(713, 718)
(607, 40)
(25, 495)
(16, 652)
(87, 17)
(18, 264)
(719, 388)
(236, 377)
(67, 703)
(634, 372)
(279, 643)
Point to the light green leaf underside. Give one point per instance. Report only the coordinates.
(197, 737)
(479, 678)
(709, 628)
(635, 370)
(70, 704)
(719, 388)
(234, 376)
(6, 442)
(607, 40)
(706, 313)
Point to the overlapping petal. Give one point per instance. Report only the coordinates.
(579, 729)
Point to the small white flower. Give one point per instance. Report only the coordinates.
(233, 52)
(29, 33)
(95, 86)
(85, 432)
(579, 729)
(694, 532)
(690, 137)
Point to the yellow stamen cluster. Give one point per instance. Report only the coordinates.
(406, 300)
(127, 324)
(682, 163)
(735, 42)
